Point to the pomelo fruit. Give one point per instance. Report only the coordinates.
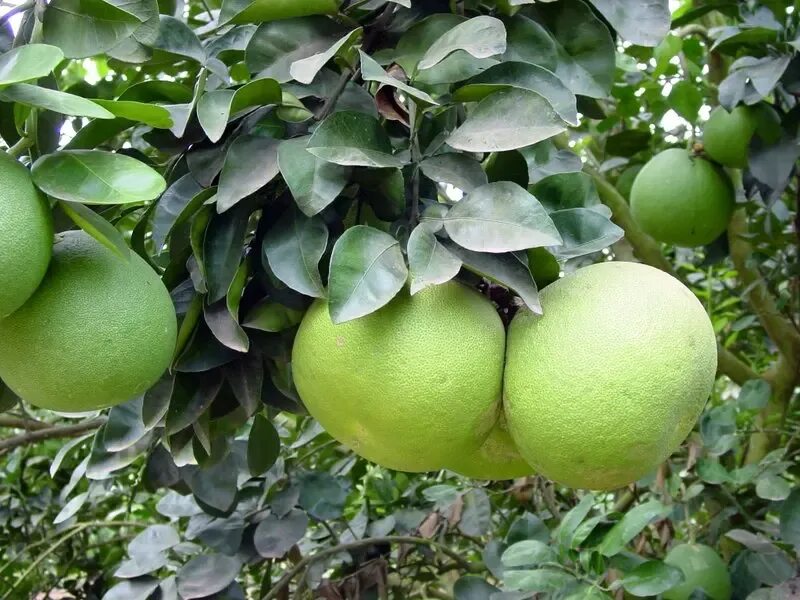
(626, 179)
(496, 459)
(682, 199)
(703, 569)
(26, 235)
(609, 381)
(98, 331)
(727, 135)
(410, 386)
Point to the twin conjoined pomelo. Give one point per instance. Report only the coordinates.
(593, 394)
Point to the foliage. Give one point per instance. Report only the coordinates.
(262, 154)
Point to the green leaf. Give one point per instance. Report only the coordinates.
(537, 580)
(524, 76)
(529, 42)
(509, 270)
(206, 575)
(459, 170)
(790, 519)
(470, 587)
(216, 107)
(47, 99)
(367, 270)
(272, 317)
(569, 190)
(585, 50)
(171, 206)
(583, 231)
(305, 70)
(476, 514)
(353, 139)
(31, 61)
(275, 46)
(372, 71)
(500, 217)
(176, 37)
(507, 120)
(322, 495)
(652, 578)
(527, 527)
(83, 28)
(276, 535)
(669, 47)
(222, 251)
(293, 248)
(258, 11)
(754, 395)
(527, 553)
(96, 177)
(141, 112)
(125, 426)
(629, 527)
(222, 317)
(481, 37)
(711, 471)
(641, 23)
(313, 182)
(571, 521)
(96, 226)
(250, 163)
(686, 99)
(773, 488)
(429, 261)
(421, 36)
(263, 446)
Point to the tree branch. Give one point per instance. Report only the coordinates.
(777, 326)
(735, 368)
(392, 539)
(19, 423)
(59, 431)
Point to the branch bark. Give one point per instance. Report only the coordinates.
(58, 431)
(12, 422)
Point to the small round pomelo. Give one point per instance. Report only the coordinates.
(496, 459)
(682, 199)
(727, 135)
(609, 381)
(26, 235)
(410, 386)
(98, 331)
(703, 569)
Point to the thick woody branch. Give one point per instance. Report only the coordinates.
(733, 367)
(12, 422)
(58, 431)
(777, 326)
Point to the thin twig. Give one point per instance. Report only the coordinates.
(60, 431)
(20, 147)
(19, 423)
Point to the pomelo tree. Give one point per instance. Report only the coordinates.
(338, 163)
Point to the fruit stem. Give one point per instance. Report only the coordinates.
(20, 147)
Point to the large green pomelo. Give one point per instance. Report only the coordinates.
(98, 331)
(681, 199)
(497, 458)
(26, 235)
(410, 386)
(703, 569)
(609, 381)
(727, 135)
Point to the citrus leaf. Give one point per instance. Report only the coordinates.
(652, 578)
(583, 231)
(527, 553)
(641, 23)
(47, 99)
(141, 112)
(459, 170)
(293, 248)
(429, 261)
(367, 270)
(263, 446)
(216, 107)
(629, 527)
(258, 11)
(372, 71)
(572, 520)
(31, 61)
(506, 120)
(176, 37)
(481, 37)
(222, 251)
(206, 575)
(96, 226)
(353, 139)
(314, 182)
(305, 70)
(96, 177)
(275, 536)
(500, 217)
(272, 317)
(250, 163)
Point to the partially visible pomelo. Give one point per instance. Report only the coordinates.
(496, 459)
(98, 331)
(703, 569)
(26, 235)
(609, 381)
(727, 135)
(411, 386)
(682, 199)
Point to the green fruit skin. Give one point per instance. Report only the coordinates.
(98, 331)
(703, 569)
(497, 459)
(727, 135)
(610, 380)
(682, 200)
(410, 386)
(26, 235)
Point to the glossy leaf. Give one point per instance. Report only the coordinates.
(257, 11)
(314, 182)
(47, 99)
(272, 317)
(631, 524)
(274, 536)
(149, 114)
(263, 446)
(96, 177)
(642, 23)
(459, 170)
(481, 37)
(500, 217)
(372, 71)
(429, 262)
(353, 139)
(790, 519)
(176, 37)
(583, 231)
(652, 578)
(250, 164)
(367, 270)
(96, 226)
(215, 108)
(206, 575)
(222, 251)
(27, 62)
(305, 70)
(527, 553)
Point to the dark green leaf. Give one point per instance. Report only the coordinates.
(96, 226)
(686, 99)
(250, 164)
(154, 539)
(206, 575)
(96, 177)
(527, 527)
(367, 270)
(293, 248)
(754, 395)
(790, 519)
(215, 486)
(641, 23)
(272, 317)
(571, 521)
(506, 120)
(47, 99)
(149, 114)
(652, 578)
(537, 580)
(529, 42)
(500, 217)
(222, 251)
(568, 190)
(470, 587)
(476, 514)
(527, 553)
(583, 231)
(134, 589)
(481, 37)
(353, 139)
(314, 182)
(773, 488)
(275, 536)
(628, 143)
(185, 407)
(263, 446)
(305, 70)
(28, 62)
(125, 426)
(429, 262)
(322, 494)
(102, 462)
(459, 170)
(372, 71)
(631, 524)
(216, 107)
(176, 37)
(170, 207)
